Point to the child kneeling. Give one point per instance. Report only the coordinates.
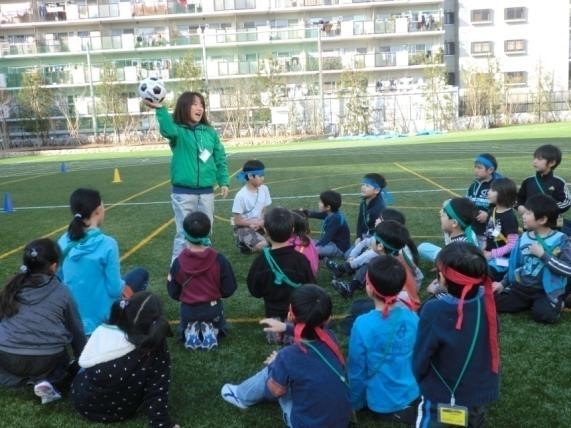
(307, 378)
(199, 278)
(380, 348)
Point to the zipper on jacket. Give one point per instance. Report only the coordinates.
(197, 157)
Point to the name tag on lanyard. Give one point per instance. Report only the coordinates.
(453, 415)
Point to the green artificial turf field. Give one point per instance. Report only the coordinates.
(421, 173)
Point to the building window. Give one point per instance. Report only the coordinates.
(451, 78)
(482, 48)
(449, 48)
(449, 18)
(515, 46)
(515, 14)
(515, 78)
(481, 16)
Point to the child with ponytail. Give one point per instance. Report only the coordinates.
(307, 377)
(126, 365)
(90, 264)
(380, 347)
(38, 319)
(456, 354)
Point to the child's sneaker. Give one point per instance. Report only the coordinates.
(335, 268)
(228, 393)
(343, 288)
(209, 339)
(191, 335)
(46, 392)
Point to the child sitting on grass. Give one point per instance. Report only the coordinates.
(372, 203)
(38, 320)
(485, 167)
(279, 270)
(90, 264)
(249, 206)
(390, 238)
(335, 237)
(380, 348)
(199, 278)
(456, 355)
(532, 281)
(502, 228)
(302, 242)
(456, 218)
(307, 378)
(126, 365)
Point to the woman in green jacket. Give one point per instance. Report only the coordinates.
(198, 160)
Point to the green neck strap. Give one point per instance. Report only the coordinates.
(341, 376)
(279, 275)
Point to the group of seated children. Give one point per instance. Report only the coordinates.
(441, 364)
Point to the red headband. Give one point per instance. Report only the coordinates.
(387, 300)
(467, 283)
(320, 333)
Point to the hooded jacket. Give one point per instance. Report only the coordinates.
(92, 271)
(47, 320)
(201, 276)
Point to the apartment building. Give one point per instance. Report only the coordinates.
(308, 44)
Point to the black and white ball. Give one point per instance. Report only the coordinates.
(152, 89)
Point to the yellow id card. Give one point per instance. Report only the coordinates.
(453, 415)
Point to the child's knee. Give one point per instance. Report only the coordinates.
(547, 312)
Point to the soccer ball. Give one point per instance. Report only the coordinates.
(152, 89)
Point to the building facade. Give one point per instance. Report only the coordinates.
(246, 54)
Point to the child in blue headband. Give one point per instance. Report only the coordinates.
(199, 278)
(249, 208)
(485, 171)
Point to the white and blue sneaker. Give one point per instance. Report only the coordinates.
(209, 335)
(46, 392)
(192, 338)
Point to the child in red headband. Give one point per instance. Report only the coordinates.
(307, 378)
(456, 355)
(380, 348)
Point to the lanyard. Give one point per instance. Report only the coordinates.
(333, 369)
(387, 347)
(468, 357)
(539, 186)
(546, 248)
(280, 276)
(501, 236)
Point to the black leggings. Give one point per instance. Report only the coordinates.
(16, 369)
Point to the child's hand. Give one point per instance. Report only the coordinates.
(433, 287)
(152, 104)
(273, 325)
(497, 287)
(536, 250)
(482, 217)
(270, 358)
(357, 241)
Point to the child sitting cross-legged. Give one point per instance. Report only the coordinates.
(249, 207)
(335, 237)
(456, 354)
(534, 280)
(279, 270)
(307, 378)
(380, 347)
(199, 278)
(390, 238)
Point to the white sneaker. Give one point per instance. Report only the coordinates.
(46, 392)
(228, 393)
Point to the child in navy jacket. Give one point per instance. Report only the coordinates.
(456, 355)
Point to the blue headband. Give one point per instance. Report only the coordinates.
(371, 183)
(243, 175)
(484, 161)
(205, 240)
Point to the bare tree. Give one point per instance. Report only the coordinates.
(484, 93)
(188, 74)
(112, 103)
(5, 100)
(438, 102)
(353, 89)
(543, 97)
(36, 102)
(71, 115)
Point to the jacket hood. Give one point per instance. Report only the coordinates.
(197, 262)
(86, 245)
(38, 287)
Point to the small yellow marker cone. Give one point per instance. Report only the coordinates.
(116, 176)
